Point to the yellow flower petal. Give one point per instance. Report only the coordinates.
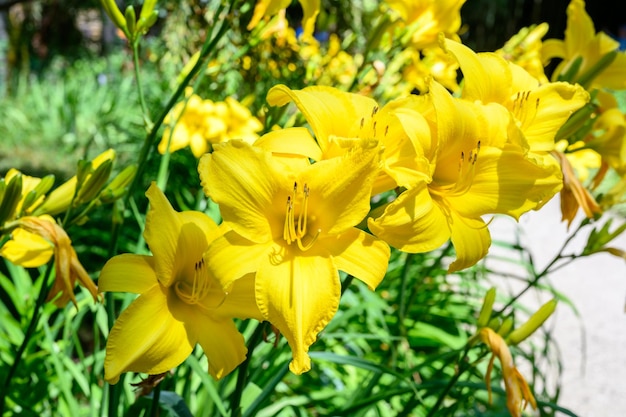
(231, 177)
(329, 111)
(27, 249)
(291, 141)
(231, 256)
(498, 186)
(299, 296)
(162, 233)
(412, 223)
(359, 254)
(128, 273)
(340, 189)
(471, 240)
(228, 353)
(239, 301)
(310, 10)
(147, 338)
(484, 76)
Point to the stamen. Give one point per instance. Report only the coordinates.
(296, 231)
(199, 288)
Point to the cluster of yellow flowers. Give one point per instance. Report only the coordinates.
(294, 206)
(200, 124)
(296, 203)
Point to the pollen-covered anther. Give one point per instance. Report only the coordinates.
(295, 229)
(199, 288)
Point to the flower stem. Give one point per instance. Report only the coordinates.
(32, 326)
(142, 99)
(242, 373)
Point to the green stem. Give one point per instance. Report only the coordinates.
(402, 295)
(545, 271)
(207, 49)
(154, 407)
(462, 366)
(142, 99)
(242, 373)
(32, 326)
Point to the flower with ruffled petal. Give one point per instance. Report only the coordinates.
(582, 43)
(179, 304)
(539, 110)
(476, 172)
(340, 120)
(293, 224)
(33, 243)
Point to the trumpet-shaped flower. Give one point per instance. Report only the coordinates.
(477, 172)
(340, 119)
(34, 242)
(179, 304)
(539, 110)
(582, 43)
(310, 9)
(426, 19)
(292, 223)
(200, 124)
(517, 391)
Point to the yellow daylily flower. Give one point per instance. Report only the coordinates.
(477, 172)
(539, 109)
(179, 304)
(517, 391)
(310, 9)
(426, 19)
(524, 49)
(341, 119)
(27, 249)
(293, 224)
(203, 123)
(34, 242)
(582, 42)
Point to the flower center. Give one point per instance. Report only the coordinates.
(295, 228)
(466, 171)
(196, 291)
(524, 112)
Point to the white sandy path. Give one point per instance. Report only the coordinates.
(597, 286)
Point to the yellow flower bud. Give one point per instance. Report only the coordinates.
(11, 196)
(533, 323)
(487, 308)
(114, 13)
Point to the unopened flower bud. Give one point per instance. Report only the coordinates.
(533, 323)
(487, 308)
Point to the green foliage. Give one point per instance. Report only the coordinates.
(409, 348)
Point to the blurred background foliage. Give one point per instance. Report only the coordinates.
(67, 92)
